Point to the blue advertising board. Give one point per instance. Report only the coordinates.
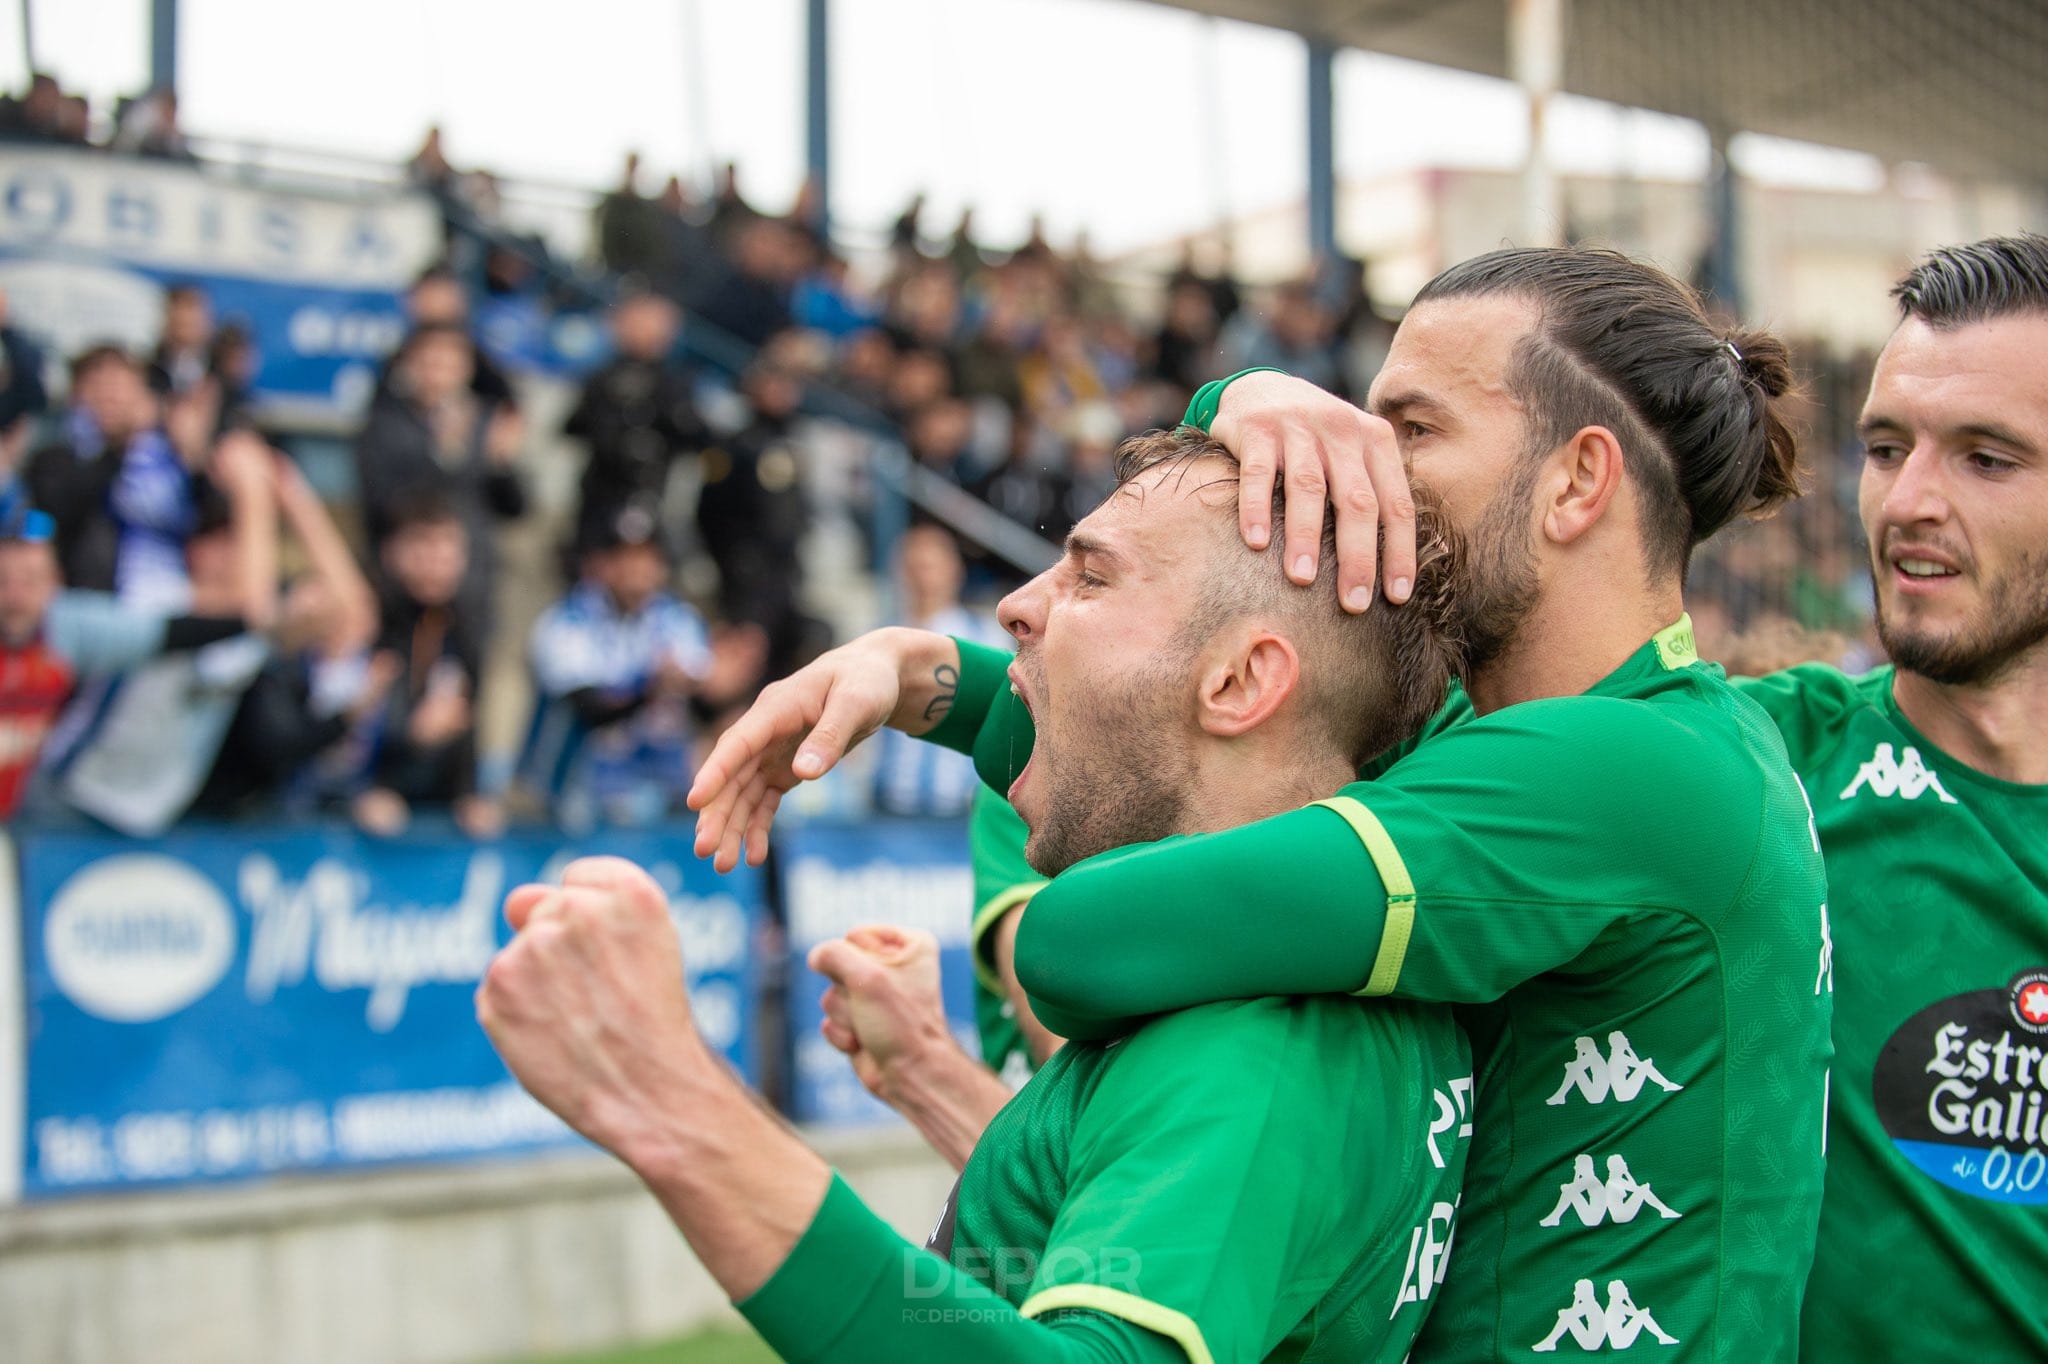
(837, 877)
(221, 1003)
(89, 242)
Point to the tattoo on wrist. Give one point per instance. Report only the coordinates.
(947, 678)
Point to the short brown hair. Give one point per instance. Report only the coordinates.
(1370, 681)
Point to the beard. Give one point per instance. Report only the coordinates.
(2012, 623)
(1124, 779)
(1500, 583)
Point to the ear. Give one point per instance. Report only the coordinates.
(1588, 470)
(1243, 687)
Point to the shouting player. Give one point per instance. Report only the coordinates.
(1605, 856)
(1237, 1181)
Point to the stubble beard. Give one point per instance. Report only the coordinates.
(1500, 583)
(1125, 778)
(2010, 627)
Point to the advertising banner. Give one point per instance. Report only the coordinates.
(221, 1003)
(89, 242)
(836, 877)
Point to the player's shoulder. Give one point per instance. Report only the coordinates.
(1599, 741)
(1309, 1035)
(1813, 703)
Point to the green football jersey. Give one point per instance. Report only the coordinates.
(1623, 892)
(1003, 880)
(1254, 1180)
(1934, 1231)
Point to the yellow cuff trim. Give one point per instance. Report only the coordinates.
(986, 918)
(1675, 645)
(1386, 859)
(1177, 1327)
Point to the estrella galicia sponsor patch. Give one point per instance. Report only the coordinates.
(1961, 1088)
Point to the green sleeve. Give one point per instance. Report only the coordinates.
(1202, 1196)
(1208, 398)
(983, 678)
(854, 1292)
(1502, 849)
(1289, 905)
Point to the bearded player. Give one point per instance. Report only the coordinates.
(1253, 1180)
(1929, 780)
(1604, 857)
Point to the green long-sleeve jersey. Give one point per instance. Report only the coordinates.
(1623, 893)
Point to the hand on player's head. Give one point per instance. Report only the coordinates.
(1326, 453)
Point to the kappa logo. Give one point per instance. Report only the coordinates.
(1453, 1110)
(1620, 1072)
(1618, 1198)
(1616, 1326)
(1886, 775)
(1428, 1256)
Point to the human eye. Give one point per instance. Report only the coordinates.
(1883, 451)
(1991, 462)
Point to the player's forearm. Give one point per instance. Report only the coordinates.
(854, 1292)
(948, 1096)
(737, 1183)
(927, 676)
(1288, 905)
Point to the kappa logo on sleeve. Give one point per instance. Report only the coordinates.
(1617, 1198)
(1620, 1073)
(1886, 775)
(1589, 1325)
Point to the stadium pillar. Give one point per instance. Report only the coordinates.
(1322, 152)
(818, 105)
(163, 45)
(1536, 60)
(1724, 243)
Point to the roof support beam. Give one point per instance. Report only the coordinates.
(1322, 152)
(818, 105)
(1536, 30)
(163, 45)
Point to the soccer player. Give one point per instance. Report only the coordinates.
(1929, 780)
(1604, 856)
(1248, 1180)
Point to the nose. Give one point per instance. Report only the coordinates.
(1918, 493)
(1022, 612)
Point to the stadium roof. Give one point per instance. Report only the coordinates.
(1954, 83)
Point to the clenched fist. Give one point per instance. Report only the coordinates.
(587, 1006)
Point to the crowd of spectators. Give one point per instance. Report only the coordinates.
(140, 125)
(186, 628)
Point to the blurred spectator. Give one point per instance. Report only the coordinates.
(730, 211)
(23, 398)
(37, 114)
(429, 167)
(963, 253)
(134, 755)
(614, 664)
(939, 439)
(633, 237)
(184, 350)
(751, 515)
(1294, 334)
(319, 684)
(826, 300)
(148, 126)
(123, 496)
(1184, 349)
(52, 640)
(906, 234)
(437, 299)
(913, 778)
(636, 415)
(751, 301)
(692, 265)
(432, 434)
(424, 746)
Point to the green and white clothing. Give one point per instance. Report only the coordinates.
(1623, 892)
(1934, 1231)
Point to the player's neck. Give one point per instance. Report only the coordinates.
(1571, 639)
(1995, 729)
(1243, 782)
